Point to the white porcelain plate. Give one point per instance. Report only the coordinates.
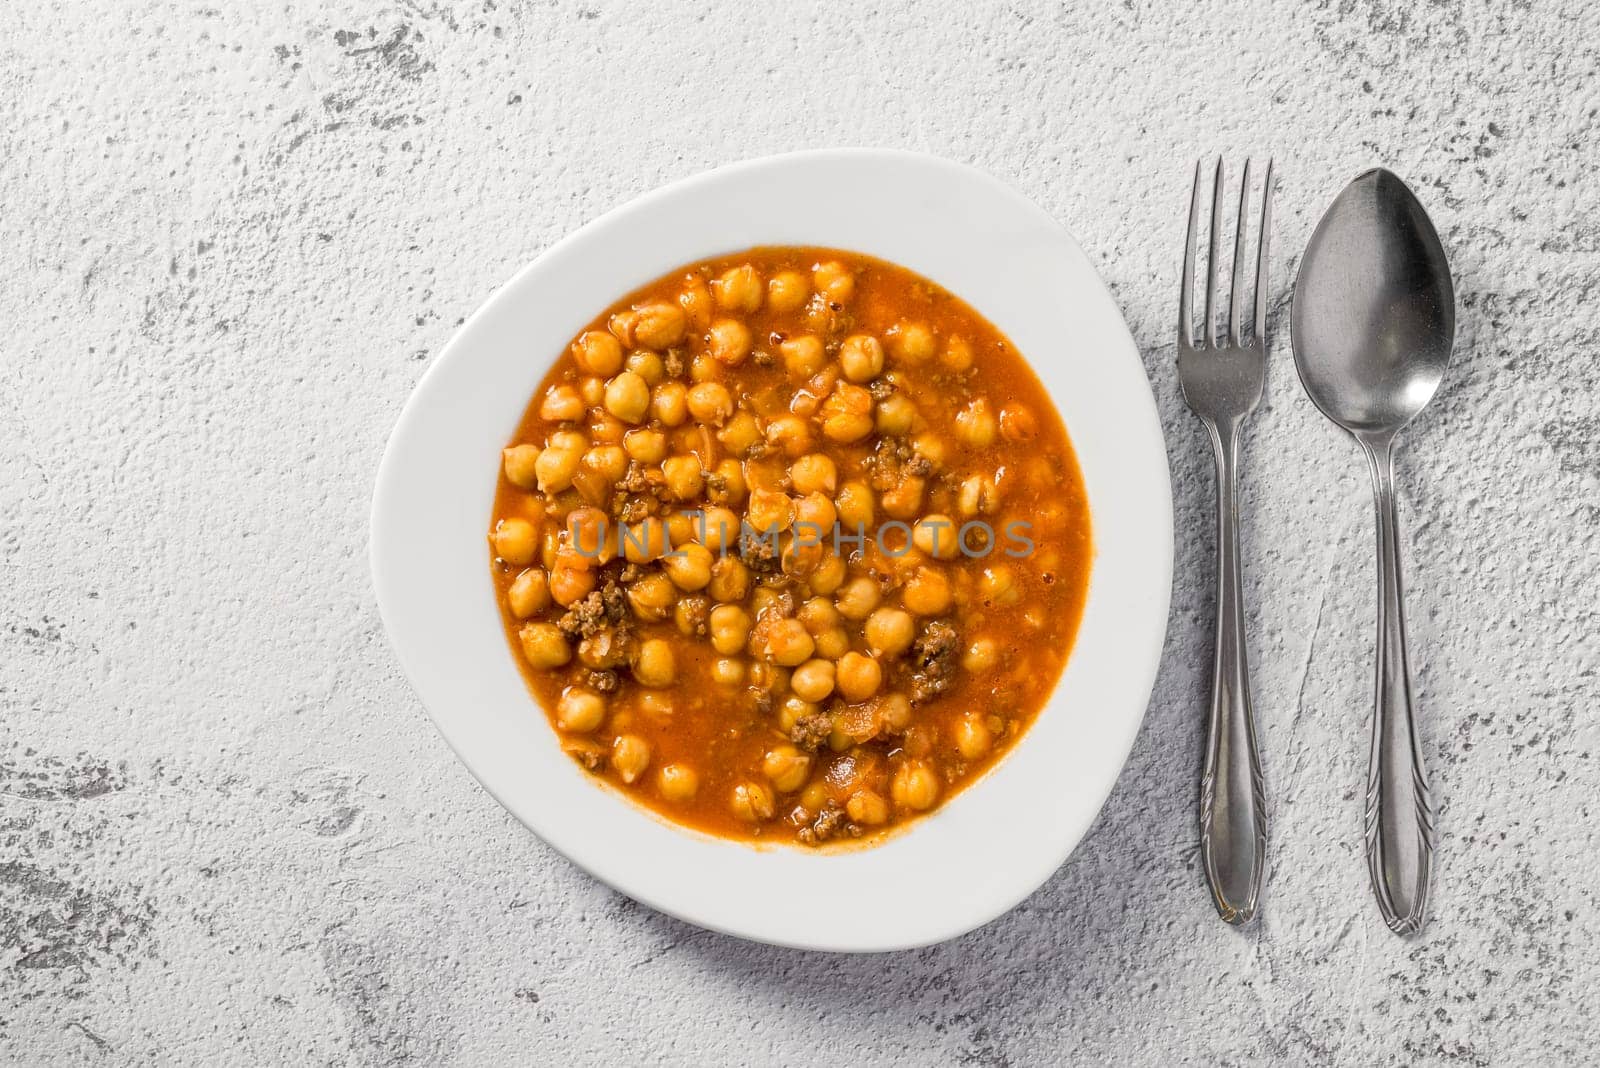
(998, 840)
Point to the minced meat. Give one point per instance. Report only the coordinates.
(811, 732)
(830, 823)
(933, 661)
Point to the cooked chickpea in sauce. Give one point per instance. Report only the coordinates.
(790, 545)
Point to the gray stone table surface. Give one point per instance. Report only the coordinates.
(234, 235)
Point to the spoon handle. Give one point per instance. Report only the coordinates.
(1399, 810)
(1233, 811)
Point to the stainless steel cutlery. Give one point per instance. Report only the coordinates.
(1373, 324)
(1223, 372)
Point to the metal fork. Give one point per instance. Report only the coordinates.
(1222, 380)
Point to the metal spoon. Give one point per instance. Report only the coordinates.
(1373, 324)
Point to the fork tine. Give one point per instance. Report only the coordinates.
(1235, 327)
(1262, 289)
(1186, 295)
(1209, 332)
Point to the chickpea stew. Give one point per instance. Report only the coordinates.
(791, 545)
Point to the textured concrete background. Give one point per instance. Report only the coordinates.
(232, 241)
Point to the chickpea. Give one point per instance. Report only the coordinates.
(979, 495)
(926, 592)
(741, 432)
(516, 541)
(684, 479)
(628, 397)
(562, 405)
(689, 567)
(651, 598)
(644, 541)
(728, 671)
(528, 593)
(770, 510)
(981, 655)
(702, 368)
(790, 433)
(915, 786)
(858, 677)
(730, 473)
(858, 598)
(670, 403)
(569, 585)
(752, 802)
(847, 413)
(867, 807)
(543, 645)
(930, 447)
(695, 300)
(834, 281)
(606, 463)
(691, 614)
(729, 341)
(646, 446)
(660, 325)
(833, 643)
(889, 631)
(717, 528)
(648, 366)
(579, 710)
(730, 580)
(586, 530)
(815, 473)
(654, 664)
(598, 352)
(1017, 423)
(677, 782)
(738, 289)
(936, 535)
(789, 643)
(622, 325)
(976, 424)
(680, 529)
(709, 402)
(730, 628)
(895, 711)
(520, 463)
(905, 500)
(828, 575)
(592, 390)
(854, 505)
(787, 291)
(550, 548)
(568, 441)
(972, 736)
(957, 355)
(630, 755)
(998, 585)
(818, 614)
(896, 415)
(803, 356)
(861, 357)
(910, 343)
(792, 710)
(818, 510)
(786, 767)
(813, 680)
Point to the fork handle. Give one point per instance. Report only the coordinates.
(1398, 816)
(1233, 813)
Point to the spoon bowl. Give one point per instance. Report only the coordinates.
(1374, 308)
